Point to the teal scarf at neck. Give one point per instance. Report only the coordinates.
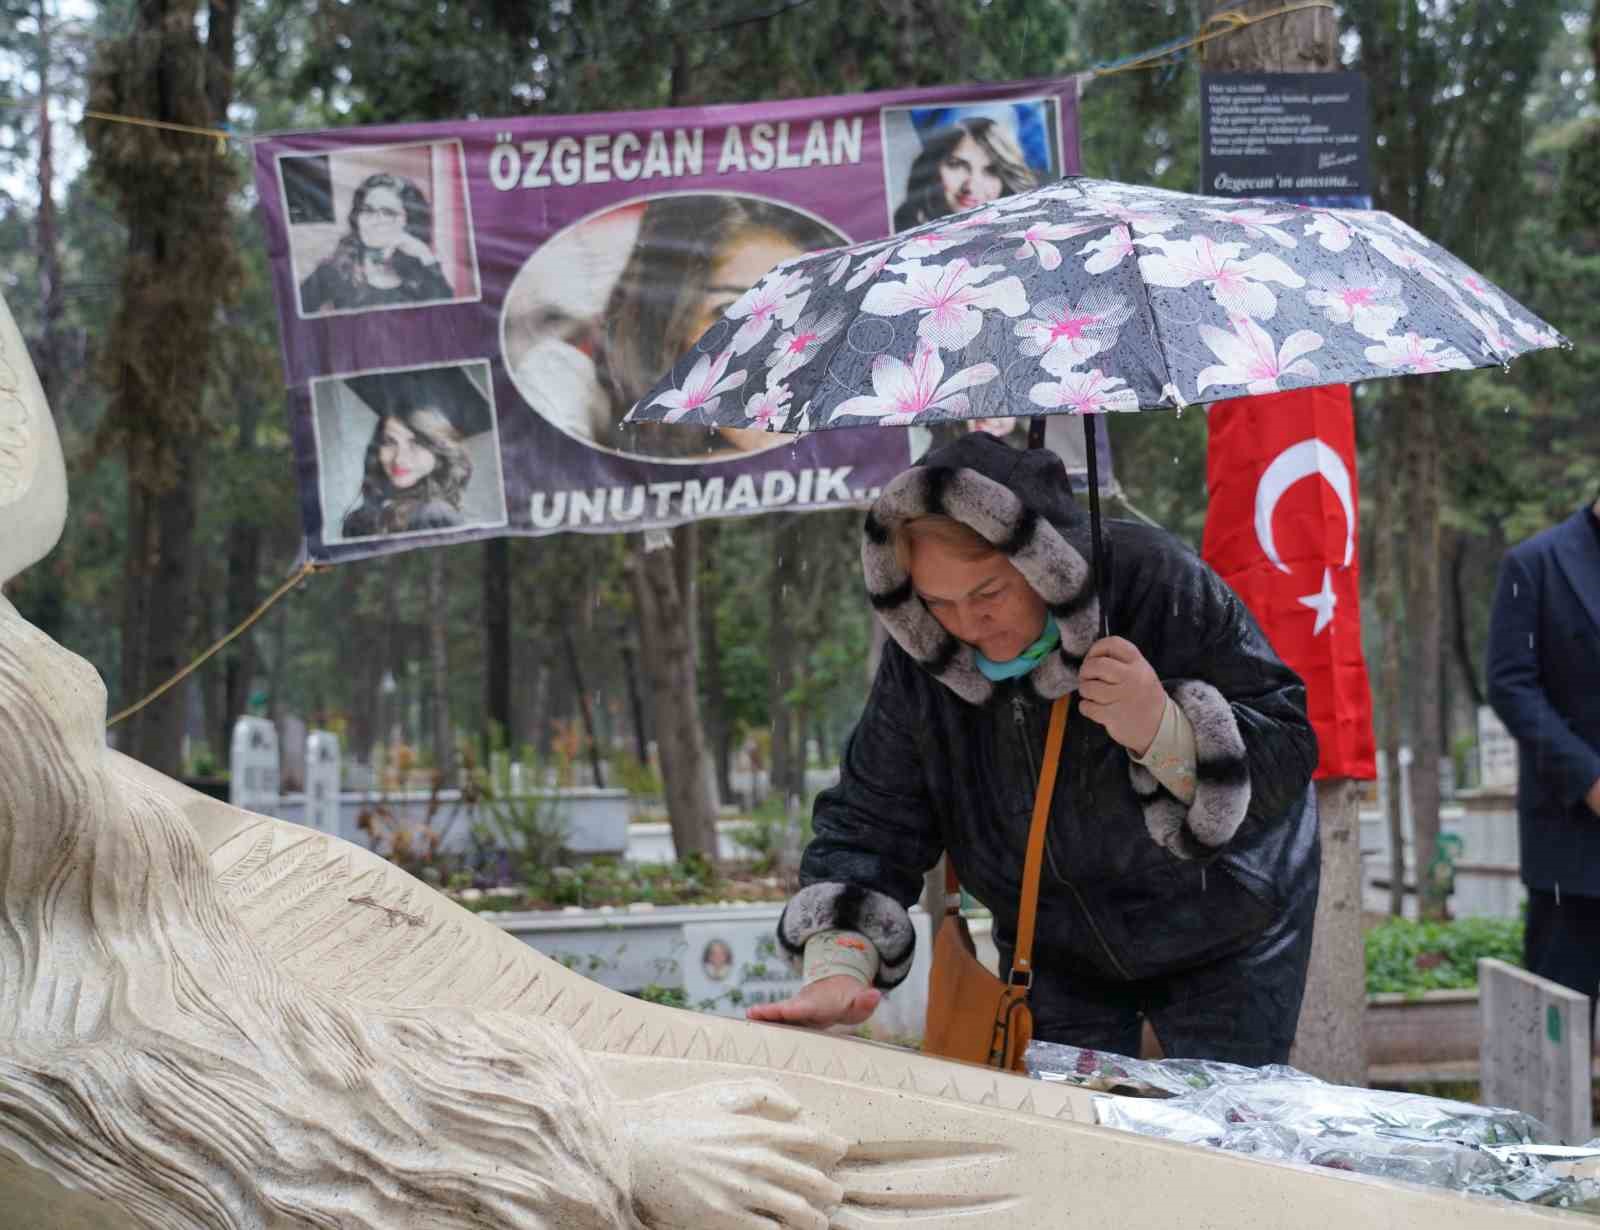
(1027, 659)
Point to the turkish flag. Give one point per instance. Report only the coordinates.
(1281, 529)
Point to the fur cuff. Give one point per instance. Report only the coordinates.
(849, 907)
(1222, 778)
(1054, 568)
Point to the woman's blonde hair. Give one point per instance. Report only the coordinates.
(957, 537)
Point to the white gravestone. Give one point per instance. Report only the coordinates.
(1534, 1048)
(322, 782)
(1497, 752)
(253, 766)
(727, 966)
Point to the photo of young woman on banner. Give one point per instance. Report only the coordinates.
(408, 452)
(388, 227)
(601, 311)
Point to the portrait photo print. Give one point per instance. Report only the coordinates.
(945, 159)
(598, 314)
(379, 228)
(408, 451)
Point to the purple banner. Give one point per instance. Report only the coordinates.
(469, 309)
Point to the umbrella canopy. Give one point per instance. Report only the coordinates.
(1087, 296)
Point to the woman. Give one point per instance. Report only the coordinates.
(385, 258)
(695, 255)
(1181, 864)
(970, 163)
(414, 475)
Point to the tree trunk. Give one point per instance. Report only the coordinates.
(1465, 658)
(173, 190)
(1305, 41)
(718, 728)
(243, 584)
(1420, 454)
(497, 659)
(444, 751)
(1329, 1041)
(1387, 587)
(663, 594)
(781, 595)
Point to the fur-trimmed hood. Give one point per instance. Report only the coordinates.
(1021, 501)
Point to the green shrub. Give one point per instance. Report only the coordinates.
(1413, 957)
(533, 826)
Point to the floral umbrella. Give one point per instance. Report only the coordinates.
(1087, 296)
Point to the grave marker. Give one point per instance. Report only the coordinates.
(1534, 1048)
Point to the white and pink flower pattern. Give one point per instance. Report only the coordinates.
(1237, 283)
(1258, 223)
(1415, 355)
(779, 297)
(902, 392)
(1040, 239)
(950, 298)
(702, 390)
(796, 347)
(1250, 357)
(1107, 252)
(1371, 305)
(1330, 232)
(1091, 392)
(1084, 296)
(768, 409)
(1062, 335)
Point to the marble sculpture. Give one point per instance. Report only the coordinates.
(212, 1019)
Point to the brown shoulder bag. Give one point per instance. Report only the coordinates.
(972, 1015)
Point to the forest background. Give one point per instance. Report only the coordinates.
(150, 318)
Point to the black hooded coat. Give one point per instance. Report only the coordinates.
(1136, 886)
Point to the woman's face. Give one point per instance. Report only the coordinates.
(970, 176)
(381, 220)
(738, 267)
(405, 457)
(985, 602)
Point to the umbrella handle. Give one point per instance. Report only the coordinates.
(1097, 570)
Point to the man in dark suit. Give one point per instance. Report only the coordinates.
(1544, 682)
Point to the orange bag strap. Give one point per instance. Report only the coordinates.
(1022, 958)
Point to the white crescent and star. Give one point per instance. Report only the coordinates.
(1305, 460)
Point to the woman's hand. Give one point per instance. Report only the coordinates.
(839, 1000)
(1118, 689)
(415, 249)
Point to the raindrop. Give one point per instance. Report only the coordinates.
(1530, 640)
(1516, 588)
(1508, 410)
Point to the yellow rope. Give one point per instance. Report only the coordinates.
(1230, 22)
(222, 136)
(304, 571)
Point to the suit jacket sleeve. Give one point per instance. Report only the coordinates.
(1568, 766)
